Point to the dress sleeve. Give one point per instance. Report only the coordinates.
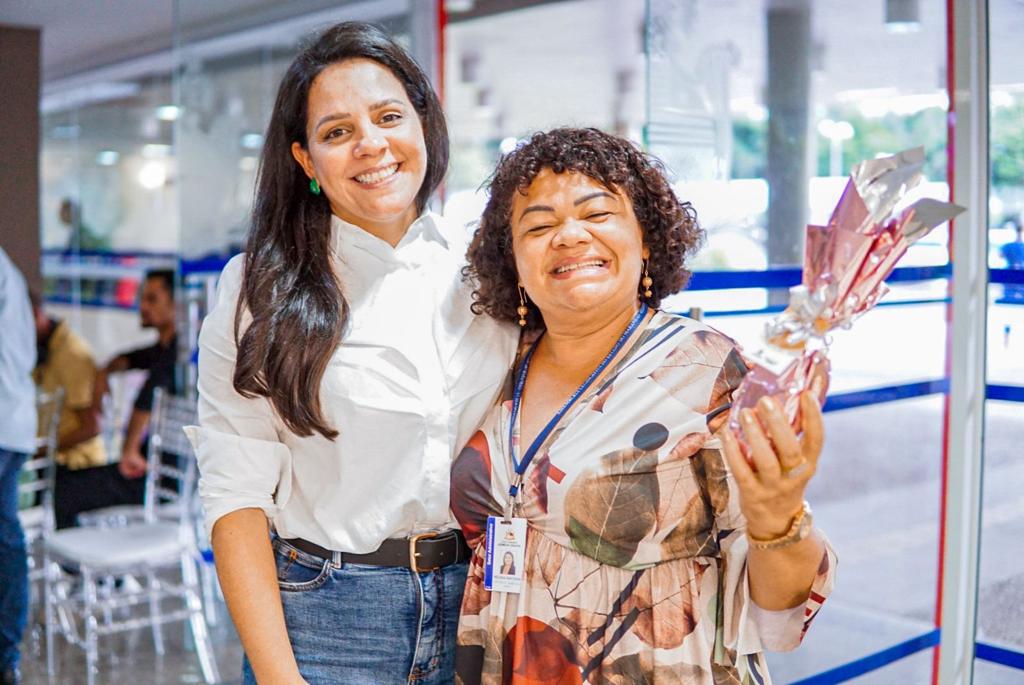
(747, 627)
(242, 461)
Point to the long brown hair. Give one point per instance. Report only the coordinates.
(289, 287)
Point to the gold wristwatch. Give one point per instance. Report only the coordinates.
(799, 529)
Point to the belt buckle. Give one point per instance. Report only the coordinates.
(413, 554)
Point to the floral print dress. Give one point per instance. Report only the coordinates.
(636, 554)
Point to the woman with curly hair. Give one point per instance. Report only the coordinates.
(655, 553)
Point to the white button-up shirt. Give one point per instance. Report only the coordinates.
(414, 374)
(17, 357)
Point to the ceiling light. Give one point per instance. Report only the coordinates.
(252, 141)
(152, 175)
(107, 157)
(168, 112)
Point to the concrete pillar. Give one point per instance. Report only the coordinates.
(787, 96)
(19, 148)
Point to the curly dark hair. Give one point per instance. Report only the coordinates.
(669, 225)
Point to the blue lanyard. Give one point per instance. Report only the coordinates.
(517, 398)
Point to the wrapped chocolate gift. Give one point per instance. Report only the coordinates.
(845, 266)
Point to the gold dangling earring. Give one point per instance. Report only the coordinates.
(647, 281)
(522, 309)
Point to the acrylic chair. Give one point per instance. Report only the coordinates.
(149, 550)
(35, 490)
(36, 486)
(120, 515)
(116, 410)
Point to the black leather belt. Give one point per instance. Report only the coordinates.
(423, 552)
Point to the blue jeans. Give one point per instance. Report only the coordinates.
(357, 624)
(13, 561)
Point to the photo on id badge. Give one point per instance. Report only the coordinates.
(504, 560)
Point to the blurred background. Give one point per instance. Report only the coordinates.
(151, 122)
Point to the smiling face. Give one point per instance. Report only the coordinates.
(578, 247)
(365, 147)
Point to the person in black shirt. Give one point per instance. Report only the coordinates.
(122, 483)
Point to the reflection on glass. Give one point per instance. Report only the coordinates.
(891, 345)
(1002, 520)
(1001, 581)
(108, 169)
(1005, 358)
(876, 495)
(510, 74)
(108, 190)
(986, 673)
(226, 88)
(753, 102)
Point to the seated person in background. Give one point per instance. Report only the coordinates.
(124, 484)
(65, 361)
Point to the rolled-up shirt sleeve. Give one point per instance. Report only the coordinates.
(242, 461)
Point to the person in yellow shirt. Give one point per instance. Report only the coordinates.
(64, 360)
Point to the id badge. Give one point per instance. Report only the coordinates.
(505, 554)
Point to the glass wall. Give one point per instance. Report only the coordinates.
(108, 204)
(500, 85)
(153, 161)
(1000, 623)
(226, 85)
(760, 109)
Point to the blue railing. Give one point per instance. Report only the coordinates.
(1004, 393)
(788, 277)
(873, 662)
(999, 655)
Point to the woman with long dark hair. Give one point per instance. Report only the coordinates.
(340, 371)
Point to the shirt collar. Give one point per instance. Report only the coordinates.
(346, 236)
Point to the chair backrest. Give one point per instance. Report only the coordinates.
(171, 472)
(116, 408)
(40, 470)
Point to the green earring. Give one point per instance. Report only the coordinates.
(314, 187)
